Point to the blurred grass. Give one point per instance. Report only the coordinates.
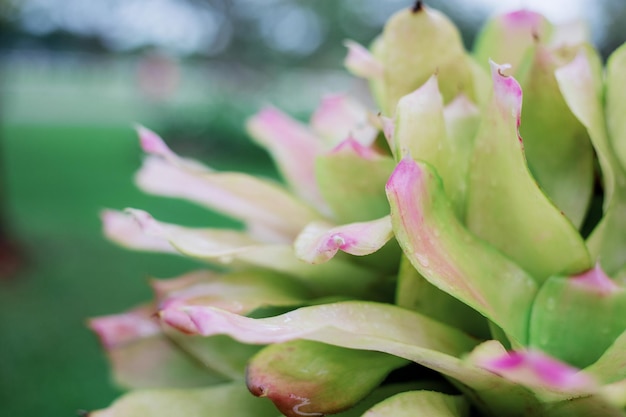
(58, 177)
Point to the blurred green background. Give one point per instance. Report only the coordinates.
(76, 74)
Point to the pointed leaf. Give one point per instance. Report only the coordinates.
(223, 400)
(236, 249)
(442, 137)
(319, 242)
(556, 144)
(505, 206)
(581, 84)
(383, 328)
(426, 403)
(143, 357)
(312, 378)
(339, 117)
(418, 43)
(541, 372)
(240, 292)
(506, 38)
(336, 324)
(266, 208)
(354, 197)
(450, 257)
(419, 124)
(293, 147)
(121, 228)
(360, 62)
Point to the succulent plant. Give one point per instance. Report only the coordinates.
(452, 230)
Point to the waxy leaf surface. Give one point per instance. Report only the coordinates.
(581, 84)
(452, 258)
(311, 378)
(352, 179)
(505, 206)
(507, 38)
(417, 43)
(426, 403)
(556, 144)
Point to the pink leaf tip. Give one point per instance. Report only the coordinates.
(361, 62)
(147, 223)
(595, 280)
(534, 368)
(151, 142)
(119, 329)
(507, 91)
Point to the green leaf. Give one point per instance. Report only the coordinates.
(505, 206)
(583, 407)
(462, 120)
(353, 196)
(220, 354)
(312, 378)
(451, 257)
(426, 403)
(417, 43)
(388, 390)
(506, 38)
(615, 93)
(611, 366)
(557, 146)
(564, 309)
(581, 84)
(443, 137)
(224, 400)
(414, 292)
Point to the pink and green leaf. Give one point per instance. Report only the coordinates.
(122, 229)
(505, 206)
(311, 378)
(382, 328)
(534, 369)
(581, 84)
(414, 292)
(352, 196)
(360, 62)
(267, 209)
(507, 38)
(565, 307)
(339, 117)
(319, 242)
(452, 258)
(556, 145)
(293, 147)
(237, 250)
(141, 356)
